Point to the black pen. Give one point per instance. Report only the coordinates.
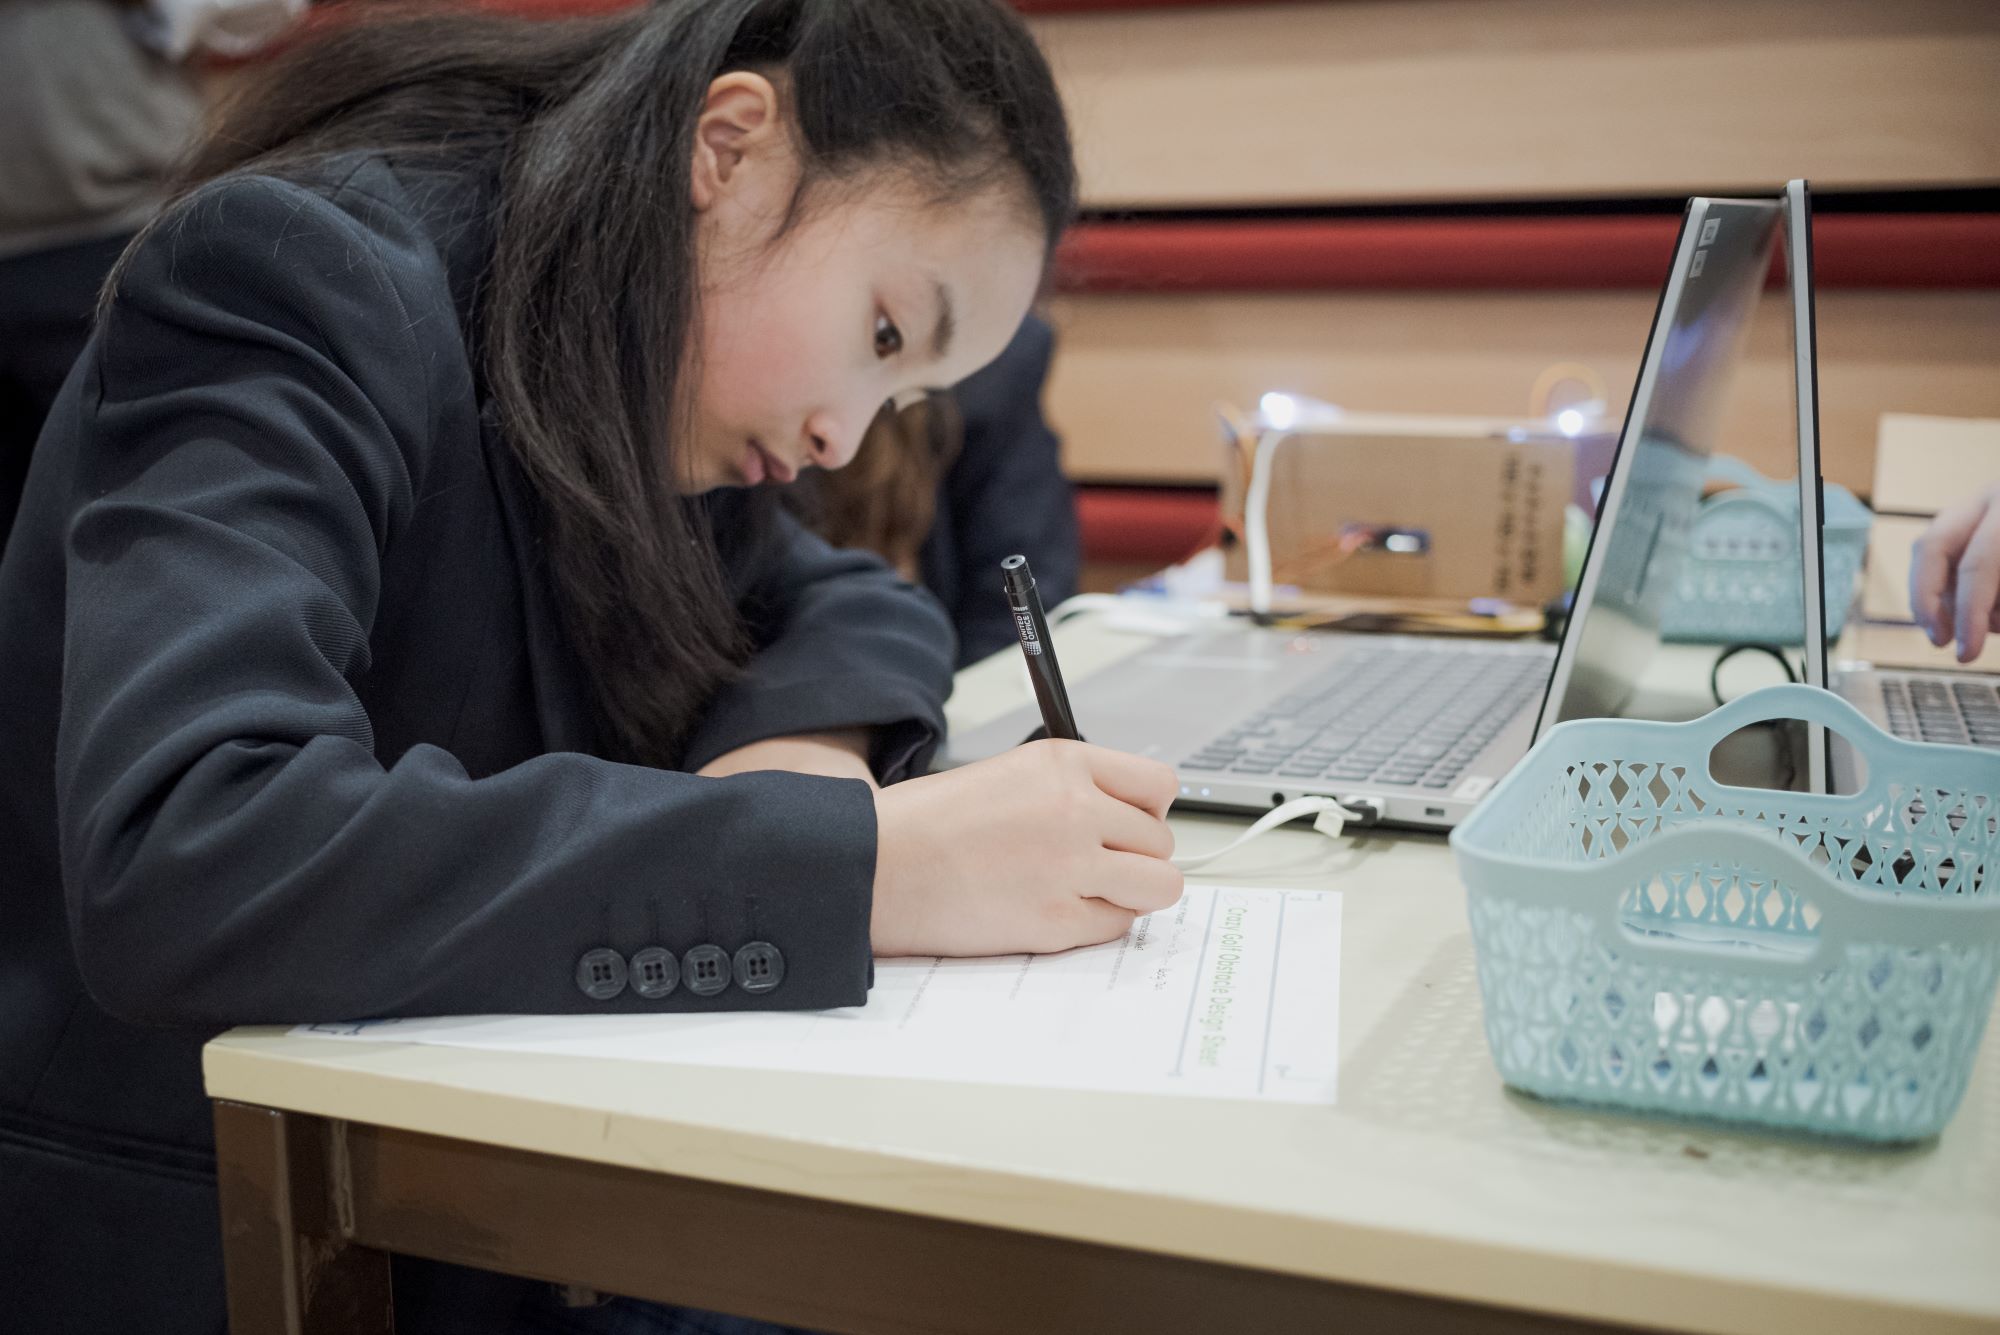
(1038, 649)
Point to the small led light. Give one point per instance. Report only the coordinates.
(1570, 422)
(1279, 411)
(1402, 542)
(1204, 792)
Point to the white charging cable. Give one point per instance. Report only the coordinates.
(1330, 819)
(1143, 614)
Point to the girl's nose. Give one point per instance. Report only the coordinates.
(828, 444)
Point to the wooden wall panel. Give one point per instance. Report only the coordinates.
(1397, 100)
(1134, 375)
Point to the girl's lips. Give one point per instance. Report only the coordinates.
(770, 466)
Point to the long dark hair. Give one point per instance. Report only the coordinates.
(590, 295)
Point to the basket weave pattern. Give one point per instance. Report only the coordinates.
(1711, 990)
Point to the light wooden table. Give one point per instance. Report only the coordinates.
(1429, 1199)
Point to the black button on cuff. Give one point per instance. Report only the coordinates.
(655, 973)
(705, 970)
(600, 974)
(760, 967)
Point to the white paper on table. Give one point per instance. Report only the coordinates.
(1232, 993)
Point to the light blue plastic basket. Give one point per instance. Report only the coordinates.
(1740, 578)
(1650, 938)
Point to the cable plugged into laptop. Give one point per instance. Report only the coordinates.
(1330, 818)
(1363, 811)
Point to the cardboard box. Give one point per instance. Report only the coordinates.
(1925, 464)
(1885, 588)
(1413, 507)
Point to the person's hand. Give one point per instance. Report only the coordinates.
(1955, 575)
(842, 754)
(1051, 845)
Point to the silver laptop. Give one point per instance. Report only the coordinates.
(1946, 705)
(1416, 730)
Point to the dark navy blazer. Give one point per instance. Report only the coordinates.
(291, 731)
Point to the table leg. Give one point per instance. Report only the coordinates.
(290, 1267)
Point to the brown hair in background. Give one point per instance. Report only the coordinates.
(886, 499)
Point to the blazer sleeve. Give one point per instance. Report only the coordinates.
(1007, 493)
(844, 642)
(252, 421)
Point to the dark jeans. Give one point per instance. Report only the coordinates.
(47, 298)
(437, 1299)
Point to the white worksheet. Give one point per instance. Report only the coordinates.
(1232, 993)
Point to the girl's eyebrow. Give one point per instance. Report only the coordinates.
(947, 322)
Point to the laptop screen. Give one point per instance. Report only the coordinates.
(1812, 491)
(1612, 655)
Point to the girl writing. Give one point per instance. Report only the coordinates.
(397, 620)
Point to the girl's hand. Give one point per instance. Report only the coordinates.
(1955, 575)
(1052, 845)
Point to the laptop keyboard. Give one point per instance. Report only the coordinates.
(1411, 717)
(1965, 712)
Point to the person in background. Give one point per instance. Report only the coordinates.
(948, 486)
(1955, 575)
(96, 106)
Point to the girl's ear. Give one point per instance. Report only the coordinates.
(739, 123)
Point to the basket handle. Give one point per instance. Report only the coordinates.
(1842, 506)
(1729, 468)
(1669, 849)
(1768, 704)
(1847, 914)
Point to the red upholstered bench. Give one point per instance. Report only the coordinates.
(1899, 250)
(1144, 526)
